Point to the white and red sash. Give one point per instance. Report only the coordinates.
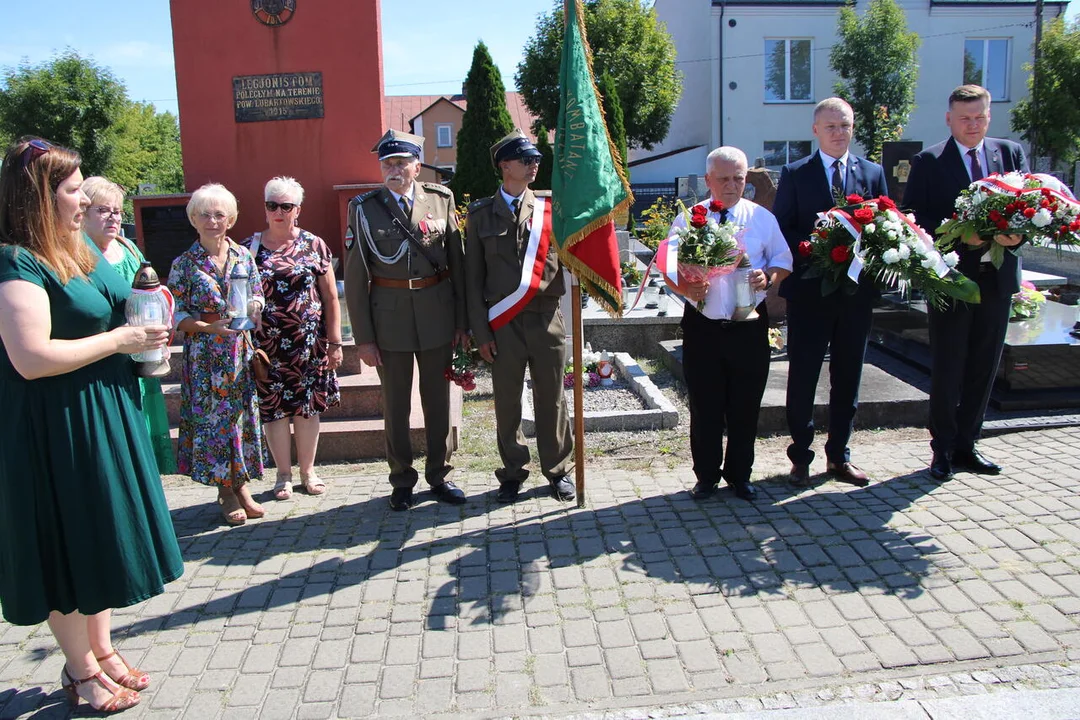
(532, 267)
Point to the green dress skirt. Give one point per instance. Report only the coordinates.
(153, 400)
(83, 520)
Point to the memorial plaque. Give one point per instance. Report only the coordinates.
(896, 160)
(281, 96)
(166, 233)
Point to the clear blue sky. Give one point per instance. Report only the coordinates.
(427, 44)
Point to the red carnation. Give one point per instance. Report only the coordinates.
(864, 215)
(1044, 203)
(840, 253)
(854, 199)
(886, 203)
(1002, 224)
(1074, 225)
(716, 206)
(805, 248)
(1029, 213)
(1046, 192)
(698, 221)
(1064, 229)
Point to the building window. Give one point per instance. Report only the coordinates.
(443, 135)
(986, 63)
(781, 152)
(788, 70)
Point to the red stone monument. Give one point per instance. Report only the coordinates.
(272, 87)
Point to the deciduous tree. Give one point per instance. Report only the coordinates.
(629, 44)
(1052, 112)
(875, 57)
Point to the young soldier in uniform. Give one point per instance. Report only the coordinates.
(514, 285)
(404, 285)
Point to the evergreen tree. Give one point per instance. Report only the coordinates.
(547, 160)
(613, 113)
(486, 121)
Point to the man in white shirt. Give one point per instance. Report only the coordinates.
(726, 362)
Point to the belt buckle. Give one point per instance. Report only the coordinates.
(418, 280)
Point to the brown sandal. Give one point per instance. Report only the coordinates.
(133, 679)
(122, 699)
(251, 508)
(231, 510)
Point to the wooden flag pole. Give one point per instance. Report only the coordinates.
(579, 397)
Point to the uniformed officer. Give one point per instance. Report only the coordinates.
(404, 285)
(514, 285)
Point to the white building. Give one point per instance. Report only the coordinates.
(754, 69)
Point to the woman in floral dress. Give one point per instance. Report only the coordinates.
(300, 332)
(220, 435)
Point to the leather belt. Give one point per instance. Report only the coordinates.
(411, 283)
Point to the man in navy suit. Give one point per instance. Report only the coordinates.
(965, 340)
(840, 321)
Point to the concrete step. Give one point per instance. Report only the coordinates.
(361, 396)
(350, 364)
(351, 439)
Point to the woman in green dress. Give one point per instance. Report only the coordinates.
(84, 526)
(101, 223)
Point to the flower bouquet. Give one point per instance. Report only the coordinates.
(461, 367)
(590, 366)
(702, 249)
(873, 237)
(1036, 206)
(1026, 303)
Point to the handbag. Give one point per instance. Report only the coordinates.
(260, 361)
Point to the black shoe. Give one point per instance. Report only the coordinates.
(562, 489)
(508, 491)
(973, 461)
(800, 475)
(849, 473)
(401, 499)
(703, 490)
(744, 490)
(449, 493)
(941, 467)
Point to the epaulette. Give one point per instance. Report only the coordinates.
(438, 189)
(542, 193)
(367, 195)
(481, 203)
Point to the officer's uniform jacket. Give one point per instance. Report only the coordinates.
(496, 249)
(400, 319)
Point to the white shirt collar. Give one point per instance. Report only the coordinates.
(829, 159)
(964, 149)
(509, 198)
(410, 195)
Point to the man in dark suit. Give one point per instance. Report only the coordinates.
(838, 322)
(965, 340)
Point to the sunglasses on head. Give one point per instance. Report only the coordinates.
(33, 150)
(273, 206)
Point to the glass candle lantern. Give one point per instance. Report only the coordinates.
(652, 293)
(745, 296)
(662, 303)
(346, 324)
(239, 303)
(150, 303)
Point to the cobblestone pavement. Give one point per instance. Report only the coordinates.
(336, 607)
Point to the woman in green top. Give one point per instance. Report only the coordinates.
(101, 223)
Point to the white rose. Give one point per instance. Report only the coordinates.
(905, 252)
(951, 259)
(892, 234)
(1042, 218)
(910, 216)
(891, 256)
(928, 262)
(869, 228)
(891, 214)
(978, 198)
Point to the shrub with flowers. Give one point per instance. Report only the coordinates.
(1026, 303)
(872, 237)
(1037, 206)
(461, 367)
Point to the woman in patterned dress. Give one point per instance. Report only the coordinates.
(220, 436)
(301, 333)
(101, 223)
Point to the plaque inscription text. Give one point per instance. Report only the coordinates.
(282, 96)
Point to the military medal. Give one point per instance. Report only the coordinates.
(424, 226)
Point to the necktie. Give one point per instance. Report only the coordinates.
(723, 216)
(405, 206)
(976, 165)
(838, 178)
(515, 205)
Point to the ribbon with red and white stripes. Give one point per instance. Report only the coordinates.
(996, 184)
(532, 267)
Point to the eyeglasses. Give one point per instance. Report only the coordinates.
(286, 207)
(33, 150)
(219, 216)
(531, 160)
(106, 212)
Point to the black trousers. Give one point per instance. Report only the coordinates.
(726, 366)
(840, 325)
(965, 348)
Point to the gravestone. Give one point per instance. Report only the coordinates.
(896, 160)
